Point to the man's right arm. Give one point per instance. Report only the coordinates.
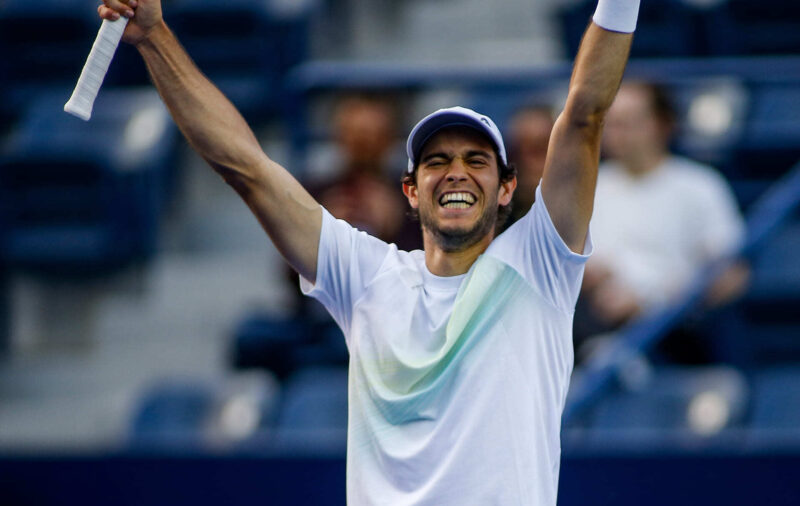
(217, 131)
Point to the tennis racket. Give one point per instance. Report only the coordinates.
(94, 71)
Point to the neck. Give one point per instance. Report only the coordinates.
(451, 263)
(644, 163)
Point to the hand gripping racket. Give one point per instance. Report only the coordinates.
(94, 71)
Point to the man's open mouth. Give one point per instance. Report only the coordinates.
(457, 200)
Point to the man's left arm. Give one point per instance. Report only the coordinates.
(570, 173)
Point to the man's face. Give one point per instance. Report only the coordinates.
(458, 188)
(632, 126)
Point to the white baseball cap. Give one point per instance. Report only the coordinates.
(452, 116)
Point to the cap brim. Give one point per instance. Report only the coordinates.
(429, 128)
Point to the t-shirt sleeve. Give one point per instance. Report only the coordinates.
(346, 262)
(533, 247)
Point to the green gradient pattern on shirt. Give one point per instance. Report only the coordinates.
(402, 388)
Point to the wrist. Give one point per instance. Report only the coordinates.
(617, 15)
(153, 35)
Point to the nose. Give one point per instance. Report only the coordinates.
(457, 171)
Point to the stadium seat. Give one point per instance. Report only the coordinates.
(770, 144)
(195, 414)
(82, 197)
(749, 27)
(5, 310)
(172, 413)
(772, 321)
(285, 345)
(500, 102)
(676, 405)
(666, 28)
(775, 415)
(776, 400)
(711, 115)
(44, 45)
(245, 47)
(313, 413)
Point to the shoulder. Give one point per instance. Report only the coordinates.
(694, 176)
(609, 168)
(691, 169)
(610, 175)
(405, 265)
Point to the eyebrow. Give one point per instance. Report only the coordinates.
(478, 152)
(469, 154)
(431, 156)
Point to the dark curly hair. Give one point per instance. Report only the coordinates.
(507, 172)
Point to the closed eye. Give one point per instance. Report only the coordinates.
(434, 161)
(478, 158)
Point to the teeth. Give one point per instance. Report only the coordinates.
(457, 197)
(456, 205)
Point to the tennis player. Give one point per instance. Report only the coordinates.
(460, 354)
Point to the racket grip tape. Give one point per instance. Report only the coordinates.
(94, 71)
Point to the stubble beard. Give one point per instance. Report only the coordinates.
(459, 239)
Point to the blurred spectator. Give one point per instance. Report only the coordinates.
(658, 219)
(528, 136)
(364, 188)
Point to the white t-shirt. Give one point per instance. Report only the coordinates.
(456, 384)
(657, 230)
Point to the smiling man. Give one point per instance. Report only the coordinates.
(462, 178)
(460, 354)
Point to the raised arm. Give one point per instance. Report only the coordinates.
(570, 173)
(217, 131)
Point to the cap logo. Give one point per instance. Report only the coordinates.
(483, 118)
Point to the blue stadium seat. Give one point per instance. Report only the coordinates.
(173, 413)
(775, 417)
(313, 413)
(770, 144)
(501, 102)
(44, 45)
(677, 405)
(769, 309)
(5, 310)
(245, 47)
(711, 114)
(196, 414)
(666, 28)
(749, 27)
(776, 398)
(285, 345)
(81, 197)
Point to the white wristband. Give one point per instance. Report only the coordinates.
(617, 15)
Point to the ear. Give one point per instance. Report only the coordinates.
(410, 191)
(506, 191)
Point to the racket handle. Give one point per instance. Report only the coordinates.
(94, 71)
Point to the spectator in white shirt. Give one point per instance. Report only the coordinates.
(658, 218)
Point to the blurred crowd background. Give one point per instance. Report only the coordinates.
(143, 310)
